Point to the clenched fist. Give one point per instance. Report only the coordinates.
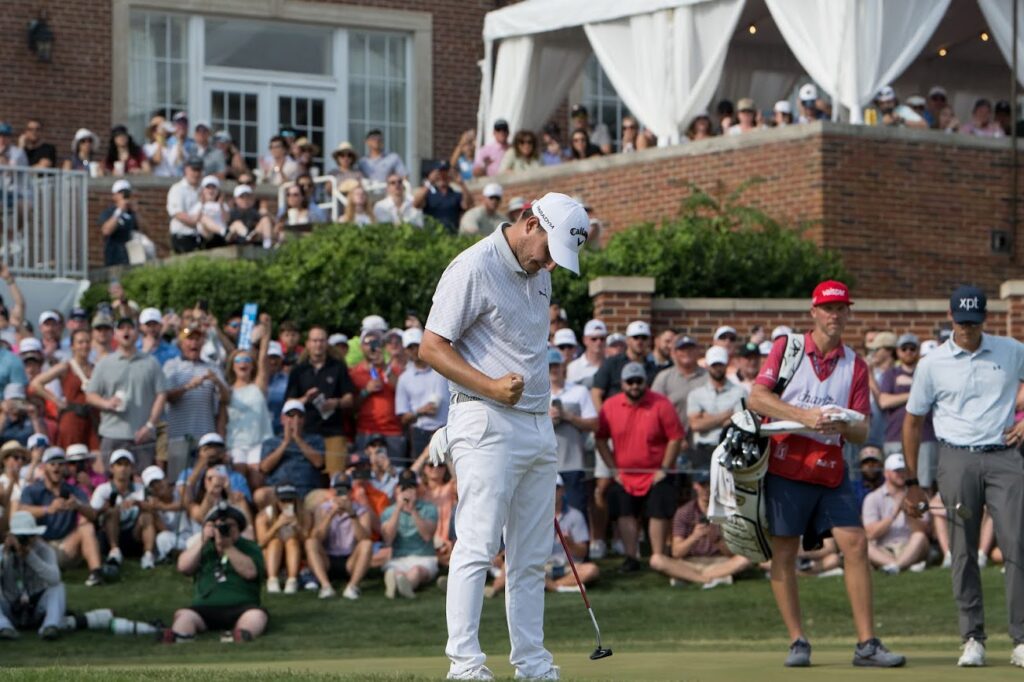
(507, 389)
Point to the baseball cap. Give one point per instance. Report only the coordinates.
(179, 116)
(240, 190)
(79, 312)
(376, 333)
(407, 479)
(394, 332)
(38, 440)
(716, 355)
(77, 452)
(151, 474)
(616, 339)
(638, 328)
(223, 510)
(633, 370)
(723, 330)
(412, 337)
(555, 357)
(745, 104)
(374, 323)
(150, 315)
(274, 348)
(442, 165)
(122, 321)
(1002, 107)
(895, 462)
(516, 204)
(938, 91)
(781, 330)
(808, 92)
(369, 133)
(48, 316)
(121, 453)
(340, 481)
(290, 405)
(578, 110)
(927, 346)
(194, 162)
(337, 339)
(5, 128)
(748, 350)
(886, 94)
(102, 319)
(883, 340)
(565, 337)
(500, 124)
(30, 345)
(968, 305)
(831, 291)
(211, 438)
(870, 453)
(595, 328)
(210, 181)
(202, 124)
(916, 101)
(222, 136)
(121, 186)
(907, 339)
(286, 491)
(567, 226)
(684, 341)
(54, 454)
(492, 189)
(783, 107)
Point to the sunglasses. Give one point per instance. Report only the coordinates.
(566, 346)
(293, 413)
(242, 360)
(642, 337)
(634, 382)
(727, 337)
(908, 348)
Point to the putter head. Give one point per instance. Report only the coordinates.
(599, 653)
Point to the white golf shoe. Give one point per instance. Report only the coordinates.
(551, 674)
(974, 654)
(1017, 658)
(480, 673)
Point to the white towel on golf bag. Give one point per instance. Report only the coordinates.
(837, 414)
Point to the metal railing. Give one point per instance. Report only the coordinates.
(44, 222)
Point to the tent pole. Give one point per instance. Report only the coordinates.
(1013, 129)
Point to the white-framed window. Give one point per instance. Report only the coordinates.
(602, 102)
(158, 70)
(378, 88)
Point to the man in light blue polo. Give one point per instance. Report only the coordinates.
(970, 384)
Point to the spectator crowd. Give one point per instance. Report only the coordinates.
(265, 459)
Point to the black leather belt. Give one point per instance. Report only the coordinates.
(994, 447)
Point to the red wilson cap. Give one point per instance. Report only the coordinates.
(831, 291)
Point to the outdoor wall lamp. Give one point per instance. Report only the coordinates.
(40, 39)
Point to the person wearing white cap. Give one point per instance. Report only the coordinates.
(124, 524)
(896, 541)
(297, 456)
(782, 113)
(710, 407)
(892, 113)
(182, 198)
(582, 369)
(210, 453)
(117, 222)
(249, 221)
(277, 384)
(65, 511)
(421, 396)
(726, 337)
(607, 380)
(565, 341)
(486, 217)
(487, 333)
(51, 329)
(151, 337)
(397, 208)
(210, 213)
(809, 111)
(174, 526)
(31, 591)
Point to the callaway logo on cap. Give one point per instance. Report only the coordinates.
(566, 223)
(831, 291)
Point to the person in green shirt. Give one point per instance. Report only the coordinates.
(228, 571)
(408, 527)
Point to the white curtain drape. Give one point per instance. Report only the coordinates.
(999, 15)
(665, 65)
(142, 80)
(531, 77)
(854, 47)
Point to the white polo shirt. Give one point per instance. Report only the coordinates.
(496, 316)
(972, 395)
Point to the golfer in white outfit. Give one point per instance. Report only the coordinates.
(487, 333)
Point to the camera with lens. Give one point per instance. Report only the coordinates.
(24, 540)
(223, 528)
(374, 345)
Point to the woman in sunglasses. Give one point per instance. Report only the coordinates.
(249, 421)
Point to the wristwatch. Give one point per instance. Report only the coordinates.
(911, 482)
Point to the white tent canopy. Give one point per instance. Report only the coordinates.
(665, 57)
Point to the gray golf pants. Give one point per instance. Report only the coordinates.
(49, 609)
(976, 479)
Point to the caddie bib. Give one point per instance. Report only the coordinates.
(814, 458)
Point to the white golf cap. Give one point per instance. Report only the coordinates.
(716, 355)
(336, 339)
(54, 454)
(615, 338)
(48, 316)
(210, 181)
(595, 328)
(567, 225)
(927, 346)
(808, 92)
(783, 107)
(150, 474)
(492, 189)
(30, 345)
(23, 523)
(412, 337)
(565, 337)
(212, 438)
(516, 204)
(781, 330)
(938, 90)
(638, 328)
(240, 190)
(38, 440)
(895, 462)
(119, 454)
(150, 315)
(121, 186)
(274, 348)
(723, 330)
(374, 323)
(76, 452)
(293, 404)
(203, 123)
(886, 94)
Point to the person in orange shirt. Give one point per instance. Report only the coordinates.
(375, 383)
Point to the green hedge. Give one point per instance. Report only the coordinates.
(338, 274)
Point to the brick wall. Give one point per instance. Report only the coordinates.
(909, 211)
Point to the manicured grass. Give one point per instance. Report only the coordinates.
(657, 632)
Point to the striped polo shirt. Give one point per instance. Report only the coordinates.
(195, 412)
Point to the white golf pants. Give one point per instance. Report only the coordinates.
(506, 462)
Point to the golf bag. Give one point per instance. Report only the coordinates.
(738, 467)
